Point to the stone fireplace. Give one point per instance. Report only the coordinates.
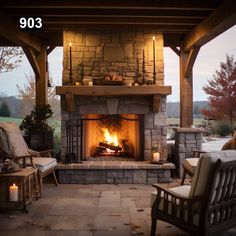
(133, 118)
(134, 111)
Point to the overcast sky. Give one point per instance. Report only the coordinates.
(206, 64)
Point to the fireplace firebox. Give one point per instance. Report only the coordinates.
(105, 137)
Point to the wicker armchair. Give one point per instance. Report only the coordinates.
(205, 207)
(13, 146)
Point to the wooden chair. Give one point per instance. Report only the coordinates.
(13, 146)
(190, 164)
(208, 205)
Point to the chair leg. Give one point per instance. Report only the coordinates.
(153, 227)
(55, 178)
(183, 178)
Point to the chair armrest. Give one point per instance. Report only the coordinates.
(172, 203)
(197, 153)
(46, 153)
(25, 160)
(160, 188)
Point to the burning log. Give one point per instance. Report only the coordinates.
(110, 146)
(98, 150)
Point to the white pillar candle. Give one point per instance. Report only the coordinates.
(13, 193)
(156, 156)
(90, 83)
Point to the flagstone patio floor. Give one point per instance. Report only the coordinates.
(89, 210)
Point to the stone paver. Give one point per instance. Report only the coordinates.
(89, 210)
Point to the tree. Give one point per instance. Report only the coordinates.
(27, 94)
(10, 58)
(4, 110)
(222, 92)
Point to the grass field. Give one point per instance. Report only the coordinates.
(196, 121)
(56, 124)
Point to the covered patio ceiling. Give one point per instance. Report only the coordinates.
(179, 20)
(186, 26)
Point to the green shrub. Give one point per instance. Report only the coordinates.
(223, 128)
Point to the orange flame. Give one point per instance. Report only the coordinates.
(110, 138)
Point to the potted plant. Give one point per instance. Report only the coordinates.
(36, 128)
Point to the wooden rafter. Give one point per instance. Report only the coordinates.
(50, 49)
(141, 4)
(176, 50)
(219, 21)
(9, 30)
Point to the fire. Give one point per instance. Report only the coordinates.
(110, 138)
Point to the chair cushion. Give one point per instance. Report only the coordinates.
(190, 164)
(12, 141)
(44, 163)
(203, 170)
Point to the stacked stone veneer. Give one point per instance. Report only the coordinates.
(104, 52)
(114, 173)
(186, 141)
(155, 124)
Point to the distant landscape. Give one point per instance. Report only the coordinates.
(173, 108)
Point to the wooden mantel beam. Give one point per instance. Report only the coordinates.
(113, 90)
(219, 21)
(9, 30)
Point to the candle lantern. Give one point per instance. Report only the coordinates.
(154, 60)
(155, 157)
(70, 60)
(157, 154)
(13, 193)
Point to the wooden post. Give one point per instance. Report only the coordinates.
(186, 93)
(187, 60)
(41, 81)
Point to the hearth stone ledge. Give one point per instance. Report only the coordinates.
(117, 173)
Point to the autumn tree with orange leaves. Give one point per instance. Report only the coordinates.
(222, 92)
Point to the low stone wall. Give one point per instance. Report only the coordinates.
(186, 141)
(114, 173)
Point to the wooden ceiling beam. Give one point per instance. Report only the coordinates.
(50, 49)
(10, 31)
(120, 25)
(106, 12)
(123, 19)
(176, 50)
(129, 4)
(219, 21)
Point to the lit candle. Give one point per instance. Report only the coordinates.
(156, 156)
(13, 193)
(90, 83)
(70, 74)
(154, 61)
